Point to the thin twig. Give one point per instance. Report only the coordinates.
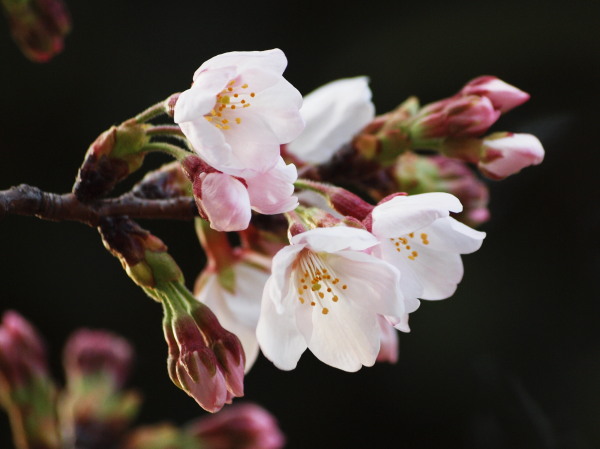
(31, 201)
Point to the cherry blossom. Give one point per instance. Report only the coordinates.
(424, 243)
(325, 294)
(239, 111)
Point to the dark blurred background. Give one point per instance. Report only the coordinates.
(511, 361)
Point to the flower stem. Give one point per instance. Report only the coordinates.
(165, 130)
(153, 111)
(170, 149)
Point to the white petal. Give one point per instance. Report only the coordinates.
(208, 142)
(279, 106)
(226, 203)
(336, 238)
(404, 214)
(272, 192)
(239, 312)
(282, 270)
(346, 338)
(200, 99)
(448, 234)
(439, 272)
(277, 333)
(272, 60)
(372, 284)
(410, 283)
(254, 144)
(333, 113)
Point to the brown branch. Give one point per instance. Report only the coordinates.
(31, 201)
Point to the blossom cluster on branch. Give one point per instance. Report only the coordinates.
(345, 220)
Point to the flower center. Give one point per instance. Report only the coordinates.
(230, 101)
(316, 282)
(403, 244)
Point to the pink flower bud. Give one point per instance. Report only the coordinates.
(38, 26)
(456, 117)
(388, 351)
(503, 96)
(90, 352)
(244, 426)
(22, 355)
(205, 360)
(504, 154)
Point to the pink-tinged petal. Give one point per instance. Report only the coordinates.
(388, 352)
(503, 96)
(200, 99)
(273, 60)
(333, 113)
(504, 154)
(346, 337)
(272, 191)
(448, 234)
(226, 203)
(371, 283)
(336, 239)
(400, 323)
(277, 333)
(404, 214)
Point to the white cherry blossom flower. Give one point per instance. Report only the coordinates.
(424, 243)
(333, 113)
(325, 294)
(235, 296)
(239, 111)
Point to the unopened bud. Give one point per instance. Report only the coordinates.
(205, 360)
(143, 256)
(26, 389)
(342, 200)
(242, 426)
(504, 154)
(503, 96)
(113, 156)
(38, 26)
(454, 117)
(98, 353)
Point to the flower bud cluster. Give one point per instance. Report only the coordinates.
(469, 113)
(26, 390)
(38, 26)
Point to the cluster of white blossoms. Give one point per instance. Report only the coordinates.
(341, 288)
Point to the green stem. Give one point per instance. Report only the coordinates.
(153, 111)
(170, 149)
(165, 130)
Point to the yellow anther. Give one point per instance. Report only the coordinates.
(335, 298)
(305, 287)
(230, 89)
(243, 101)
(313, 303)
(232, 106)
(407, 246)
(344, 287)
(252, 94)
(411, 235)
(325, 310)
(328, 289)
(246, 105)
(321, 295)
(301, 299)
(315, 287)
(224, 121)
(208, 118)
(225, 99)
(415, 254)
(244, 86)
(300, 291)
(236, 95)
